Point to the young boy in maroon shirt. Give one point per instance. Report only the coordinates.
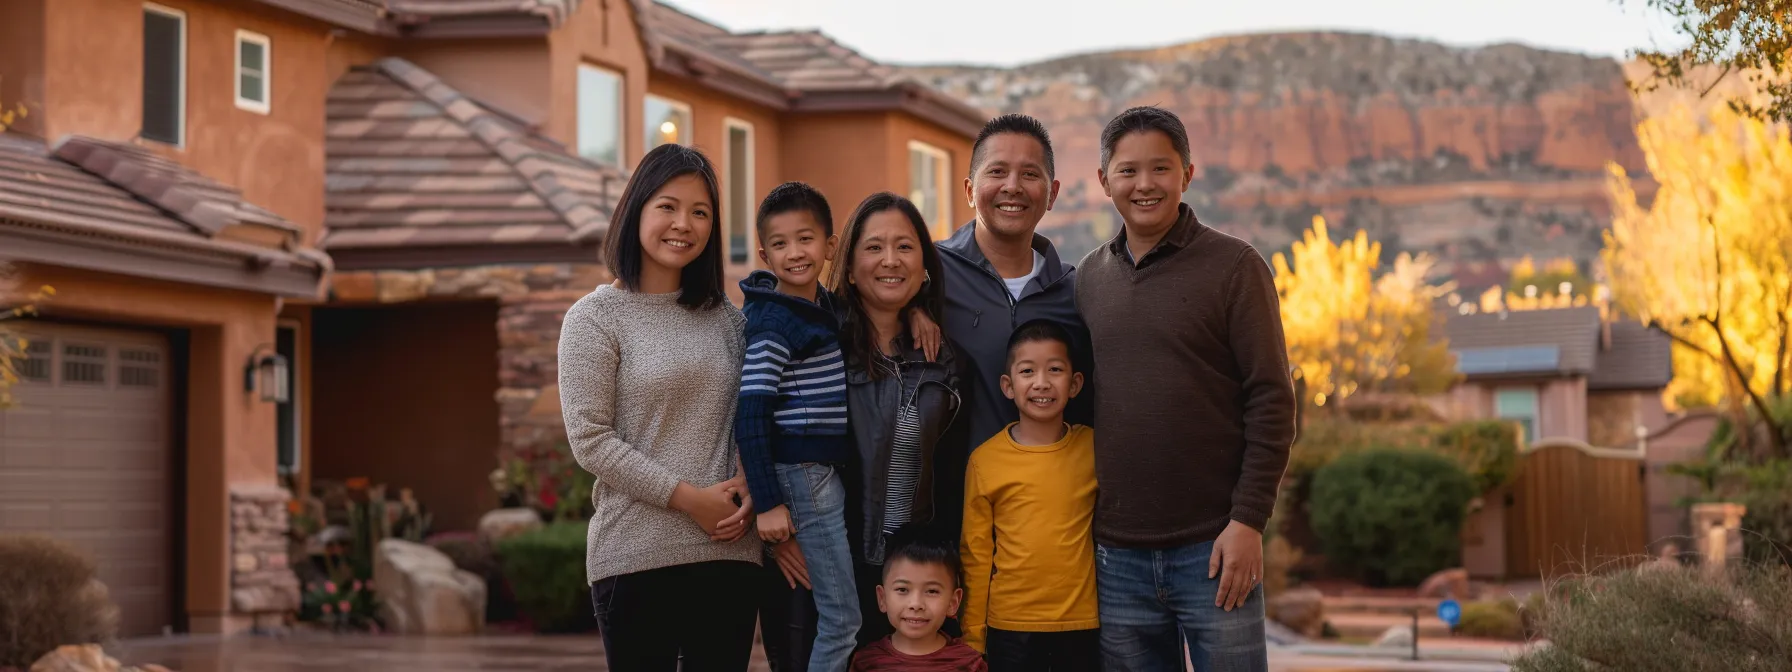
(923, 584)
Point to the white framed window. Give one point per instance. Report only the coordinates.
(665, 121)
(928, 174)
(254, 71)
(1518, 403)
(737, 162)
(600, 114)
(164, 74)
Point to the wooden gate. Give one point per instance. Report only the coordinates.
(1575, 508)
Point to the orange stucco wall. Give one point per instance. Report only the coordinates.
(22, 62)
(230, 433)
(511, 75)
(844, 155)
(905, 127)
(93, 86)
(602, 34)
(709, 114)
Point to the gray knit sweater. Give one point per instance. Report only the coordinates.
(648, 390)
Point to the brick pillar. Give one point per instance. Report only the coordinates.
(528, 355)
(262, 585)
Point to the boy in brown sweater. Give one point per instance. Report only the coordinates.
(1197, 411)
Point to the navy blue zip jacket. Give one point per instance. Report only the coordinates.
(981, 315)
(792, 386)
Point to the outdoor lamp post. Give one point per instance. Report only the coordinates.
(267, 372)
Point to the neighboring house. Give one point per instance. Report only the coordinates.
(321, 239)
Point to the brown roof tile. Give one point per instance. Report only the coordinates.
(412, 162)
(1639, 358)
(399, 17)
(123, 197)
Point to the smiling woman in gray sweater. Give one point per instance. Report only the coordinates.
(649, 376)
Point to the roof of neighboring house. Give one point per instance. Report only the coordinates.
(419, 174)
(89, 203)
(808, 70)
(1560, 341)
(438, 18)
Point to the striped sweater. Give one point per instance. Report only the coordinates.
(792, 387)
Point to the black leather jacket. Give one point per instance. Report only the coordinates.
(872, 405)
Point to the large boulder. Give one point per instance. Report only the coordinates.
(85, 658)
(1396, 636)
(1301, 609)
(1447, 584)
(421, 592)
(500, 524)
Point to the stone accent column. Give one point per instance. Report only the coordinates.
(262, 585)
(1717, 529)
(528, 356)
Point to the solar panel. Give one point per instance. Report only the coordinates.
(1519, 359)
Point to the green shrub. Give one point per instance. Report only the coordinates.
(1497, 619)
(1667, 620)
(1487, 449)
(546, 570)
(49, 597)
(1393, 516)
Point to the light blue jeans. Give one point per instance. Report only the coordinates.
(817, 502)
(1154, 599)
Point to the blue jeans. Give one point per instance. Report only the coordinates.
(1149, 597)
(817, 502)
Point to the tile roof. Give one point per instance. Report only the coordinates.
(807, 60)
(555, 11)
(412, 162)
(399, 17)
(131, 200)
(1514, 343)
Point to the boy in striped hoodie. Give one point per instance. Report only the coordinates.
(791, 424)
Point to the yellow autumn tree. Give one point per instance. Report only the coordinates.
(12, 346)
(1709, 261)
(1350, 331)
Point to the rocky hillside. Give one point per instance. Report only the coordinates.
(1480, 155)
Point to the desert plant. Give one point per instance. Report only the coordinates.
(1492, 619)
(1393, 516)
(545, 568)
(1676, 620)
(341, 603)
(49, 597)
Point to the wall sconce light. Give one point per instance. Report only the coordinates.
(267, 372)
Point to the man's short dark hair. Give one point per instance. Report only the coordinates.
(1144, 119)
(795, 197)
(1038, 331)
(1013, 123)
(925, 544)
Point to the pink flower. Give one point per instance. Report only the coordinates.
(330, 586)
(357, 585)
(328, 609)
(369, 584)
(344, 606)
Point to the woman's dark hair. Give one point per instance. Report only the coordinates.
(700, 285)
(860, 338)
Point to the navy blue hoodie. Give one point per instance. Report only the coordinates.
(792, 386)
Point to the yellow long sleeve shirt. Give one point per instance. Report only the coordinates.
(1029, 556)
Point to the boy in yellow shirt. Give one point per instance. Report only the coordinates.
(1029, 558)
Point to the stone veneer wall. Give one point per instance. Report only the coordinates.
(261, 582)
(532, 303)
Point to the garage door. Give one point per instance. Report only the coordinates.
(84, 457)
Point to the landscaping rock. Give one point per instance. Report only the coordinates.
(1399, 636)
(1449, 584)
(85, 658)
(1301, 609)
(500, 524)
(421, 592)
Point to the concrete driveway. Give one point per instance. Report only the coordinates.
(310, 652)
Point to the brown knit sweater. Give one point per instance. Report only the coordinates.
(1195, 403)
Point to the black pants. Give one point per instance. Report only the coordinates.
(1068, 651)
(786, 620)
(697, 612)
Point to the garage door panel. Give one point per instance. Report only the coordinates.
(85, 457)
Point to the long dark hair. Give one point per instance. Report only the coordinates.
(700, 282)
(860, 337)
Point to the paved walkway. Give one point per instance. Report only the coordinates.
(527, 653)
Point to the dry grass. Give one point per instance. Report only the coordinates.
(48, 597)
(1666, 619)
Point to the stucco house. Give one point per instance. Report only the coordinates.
(301, 239)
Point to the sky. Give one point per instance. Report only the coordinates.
(1013, 32)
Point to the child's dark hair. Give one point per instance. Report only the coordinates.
(795, 197)
(1038, 331)
(925, 544)
(1144, 119)
(700, 283)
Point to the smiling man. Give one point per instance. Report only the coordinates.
(1197, 417)
(1000, 273)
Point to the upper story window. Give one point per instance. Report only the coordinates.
(667, 122)
(164, 74)
(738, 180)
(1518, 403)
(253, 68)
(600, 114)
(928, 187)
